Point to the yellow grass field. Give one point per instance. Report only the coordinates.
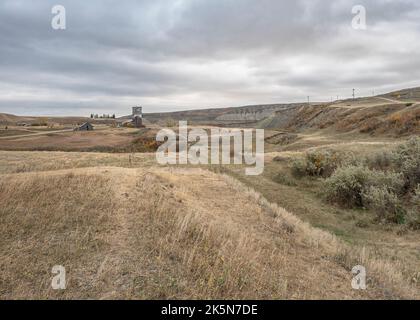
(133, 230)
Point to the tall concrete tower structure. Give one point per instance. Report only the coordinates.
(137, 117)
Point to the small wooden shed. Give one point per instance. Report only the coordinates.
(85, 127)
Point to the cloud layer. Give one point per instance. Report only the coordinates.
(183, 54)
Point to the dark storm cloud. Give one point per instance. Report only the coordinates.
(171, 54)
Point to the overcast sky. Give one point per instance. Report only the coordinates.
(184, 54)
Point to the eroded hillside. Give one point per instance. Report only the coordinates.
(388, 119)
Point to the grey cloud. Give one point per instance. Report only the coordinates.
(199, 53)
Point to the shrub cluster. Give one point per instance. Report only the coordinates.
(406, 159)
(376, 183)
(385, 204)
(316, 164)
(413, 215)
(361, 187)
(381, 160)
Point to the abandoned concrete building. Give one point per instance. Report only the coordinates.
(84, 127)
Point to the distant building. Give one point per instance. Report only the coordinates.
(84, 127)
(137, 117)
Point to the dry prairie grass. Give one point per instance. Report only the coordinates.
(45, 221)
(388, 119)
(385, 274)
(33, 161)
(159, 233)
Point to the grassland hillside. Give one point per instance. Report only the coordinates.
(10, 119)
(132, 230)
(396, 113)
(250, 113)
(6, 118)
(387, 119)
(404, 94)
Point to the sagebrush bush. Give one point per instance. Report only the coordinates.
(392, 181)
(413, 215)
(406, 159)
(416, 196)
(299, 168)
(384, 203)
(349, 185)
(375, 182)
(317, 164)
(348, 159)
(413, 219)
(381, 160)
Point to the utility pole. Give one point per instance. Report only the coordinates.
(308, 99)
(353, 94)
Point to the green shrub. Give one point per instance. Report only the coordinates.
(349, 185)
(392, 181)
(322, 163)
(299, 168)
(385, 204)
(348, 159)
(316, 164)
(416, 196)
(381, 160)
(413, 216)
(407, 160)
(411, 171)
